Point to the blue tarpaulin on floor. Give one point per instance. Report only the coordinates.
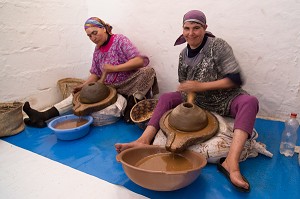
(94, 154)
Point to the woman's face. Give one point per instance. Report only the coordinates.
(97, 35)
(194, 33)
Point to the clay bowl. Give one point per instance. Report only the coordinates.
(71, 127)
(154, 168)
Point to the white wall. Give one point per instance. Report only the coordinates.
(265, 36)
(41, 42)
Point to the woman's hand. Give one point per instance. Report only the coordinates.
(196, 86)
(77, 88)
(92, 78)
(191, 86)
(109, 68)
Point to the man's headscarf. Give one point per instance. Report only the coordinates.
(193, 16)
(96, 22)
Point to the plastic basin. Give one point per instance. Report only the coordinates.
(72, 133)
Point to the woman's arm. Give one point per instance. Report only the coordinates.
(132, 64)
(196, 86)
(130, 56)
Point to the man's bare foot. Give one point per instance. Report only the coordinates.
(123, 146)
(235, 175)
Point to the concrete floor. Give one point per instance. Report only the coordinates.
(24, 174)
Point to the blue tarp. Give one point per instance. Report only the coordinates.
(94, 154)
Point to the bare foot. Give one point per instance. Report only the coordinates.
(235, 175)
(121, 147)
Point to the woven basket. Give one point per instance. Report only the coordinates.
(67, 85)
(142, 111)
(11, 118)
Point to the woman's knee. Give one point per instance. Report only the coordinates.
(165, 96)
(171, 96)
(170, 100)
(244, 103)
(252, 102)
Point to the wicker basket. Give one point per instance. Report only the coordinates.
(142, 111)
(11, 118)
(67, 85)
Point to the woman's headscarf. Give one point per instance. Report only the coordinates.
(96, 22)
(193, 16)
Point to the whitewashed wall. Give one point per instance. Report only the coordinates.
(43, 41)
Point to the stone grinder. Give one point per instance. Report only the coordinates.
(187, 124)
(159, 168)
(94, 97)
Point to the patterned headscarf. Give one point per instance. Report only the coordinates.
(193, 16)
(96, 22)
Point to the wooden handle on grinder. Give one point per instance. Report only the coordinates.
(104, 73)
(191, 97)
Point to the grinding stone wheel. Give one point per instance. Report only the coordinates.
(81, 109)
(178, 141)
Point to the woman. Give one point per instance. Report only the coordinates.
(208, 68)
(124, 65)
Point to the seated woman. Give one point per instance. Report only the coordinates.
(125, 67)
(208, 67)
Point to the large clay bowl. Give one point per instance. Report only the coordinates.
(159, 178)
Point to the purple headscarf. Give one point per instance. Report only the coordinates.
(193, 16)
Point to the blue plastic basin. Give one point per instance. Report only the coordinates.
(73, 133)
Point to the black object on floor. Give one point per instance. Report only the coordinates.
(130, 103)
(37, 124)
(226, 173)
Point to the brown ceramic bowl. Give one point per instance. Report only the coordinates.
(154, 168)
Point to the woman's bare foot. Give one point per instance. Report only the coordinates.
(235, 174)
(123, 146)
(144, 140)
